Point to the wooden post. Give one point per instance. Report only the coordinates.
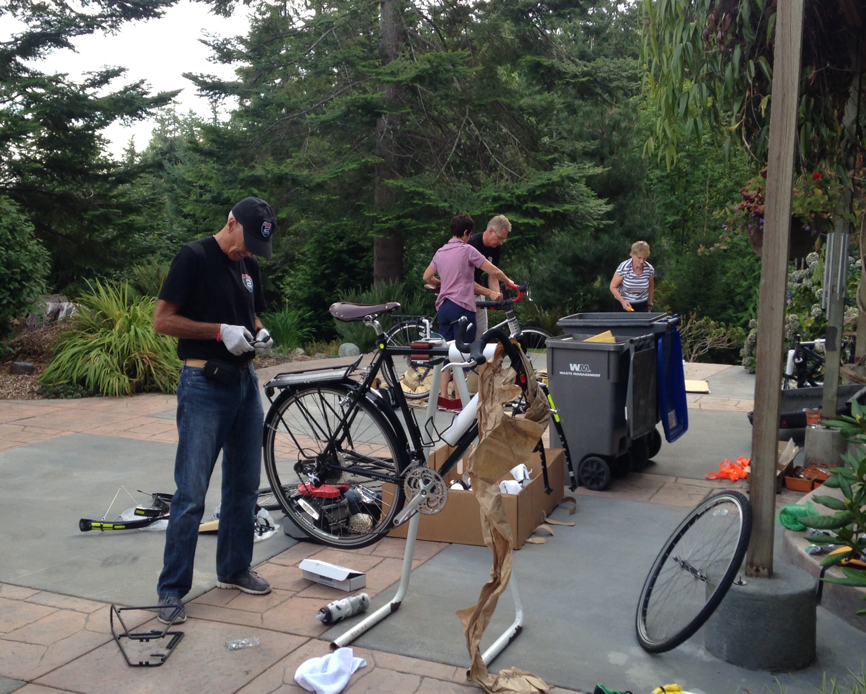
(774, 275)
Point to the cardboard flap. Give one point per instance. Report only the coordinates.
(332, 571)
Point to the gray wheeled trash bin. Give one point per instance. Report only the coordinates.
(606, 397)
(623, 324)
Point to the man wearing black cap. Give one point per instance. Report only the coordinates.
(210, 301)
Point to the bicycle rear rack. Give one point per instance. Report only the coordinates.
(146, 636)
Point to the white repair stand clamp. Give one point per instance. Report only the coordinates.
(393, 605)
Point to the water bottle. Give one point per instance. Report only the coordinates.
(340, 609)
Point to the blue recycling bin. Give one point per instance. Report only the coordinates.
(671, 381)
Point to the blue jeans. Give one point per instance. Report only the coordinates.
(449, 314)
(212, 416)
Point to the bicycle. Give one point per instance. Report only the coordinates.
(804, 365)
(342, 455)
(418, 330)
(693, 571)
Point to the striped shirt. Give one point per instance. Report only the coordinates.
(634, 287)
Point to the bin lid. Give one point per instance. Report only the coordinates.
(578, 342)
(612, 320)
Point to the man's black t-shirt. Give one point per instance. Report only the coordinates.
(210, 287)
(492, 254)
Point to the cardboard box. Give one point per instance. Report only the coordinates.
(787, 452)
(460, 521)
(332, 575)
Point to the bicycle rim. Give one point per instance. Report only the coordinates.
(416, 376)
(533, 341)
(693, 571)
(297, 432)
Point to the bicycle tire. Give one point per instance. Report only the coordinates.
(678, 597)
(298, 428)
(533, 342)
(86, 524)
(401, 335)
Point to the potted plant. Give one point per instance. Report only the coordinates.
(816, 195)
(848, 523)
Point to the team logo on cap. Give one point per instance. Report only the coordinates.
(266, 229)
(248, 282)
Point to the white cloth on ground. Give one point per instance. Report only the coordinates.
(328, 674)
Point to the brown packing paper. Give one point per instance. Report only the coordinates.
(504, 443)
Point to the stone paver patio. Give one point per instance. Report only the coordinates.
(52, 643)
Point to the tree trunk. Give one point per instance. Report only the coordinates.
(388, 247)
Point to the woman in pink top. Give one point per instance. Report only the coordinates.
(455, 265)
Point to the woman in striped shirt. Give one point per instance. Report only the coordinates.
(633, 285)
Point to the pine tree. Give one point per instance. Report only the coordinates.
(355, 136)
(53, 163)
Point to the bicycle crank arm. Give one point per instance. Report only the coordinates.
(410, 508)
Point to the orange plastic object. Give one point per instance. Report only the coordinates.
(730, 471)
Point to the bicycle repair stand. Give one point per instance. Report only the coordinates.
(373, 619)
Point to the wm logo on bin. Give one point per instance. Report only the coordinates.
(580, 368)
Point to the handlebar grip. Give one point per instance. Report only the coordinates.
(476, 348)
(462, 326)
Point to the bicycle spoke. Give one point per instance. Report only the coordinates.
(336, 463)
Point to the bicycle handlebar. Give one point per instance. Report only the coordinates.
(522, 290)
(476, 348)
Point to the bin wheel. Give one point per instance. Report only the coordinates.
(622, 465)
(640, 453)
(654, 443)
(594, 473)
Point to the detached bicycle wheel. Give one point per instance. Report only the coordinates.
(693, 572)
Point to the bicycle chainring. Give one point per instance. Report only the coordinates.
(415, 481)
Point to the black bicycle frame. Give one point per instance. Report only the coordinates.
(384, 358)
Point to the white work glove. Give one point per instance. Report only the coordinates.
(236, 338)
(264, 341)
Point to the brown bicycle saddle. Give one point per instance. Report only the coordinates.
(348, 312)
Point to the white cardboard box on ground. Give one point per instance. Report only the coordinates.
(332, 575)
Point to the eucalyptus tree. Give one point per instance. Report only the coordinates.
(710, 67)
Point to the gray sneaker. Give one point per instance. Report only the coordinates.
(247, 581)
(168, 608)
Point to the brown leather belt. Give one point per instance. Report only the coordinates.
(199, 364)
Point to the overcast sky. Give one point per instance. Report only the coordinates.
(159, 52)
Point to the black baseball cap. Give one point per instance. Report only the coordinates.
(259, 223)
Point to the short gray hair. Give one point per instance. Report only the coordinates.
(499, 223)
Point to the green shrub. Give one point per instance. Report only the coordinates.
(69, 391)
(147, 279)
(707, 340)
(289, 327)
(24, 261)
(112, 348)
(413, 299)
